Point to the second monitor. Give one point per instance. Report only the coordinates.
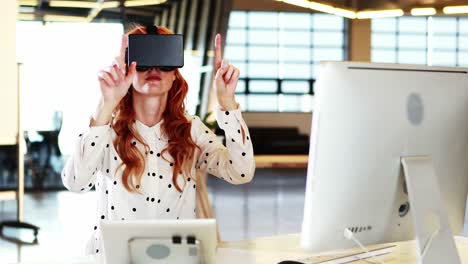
(386, 140)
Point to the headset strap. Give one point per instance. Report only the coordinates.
(152, 30)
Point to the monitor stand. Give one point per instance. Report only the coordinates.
(435, 242)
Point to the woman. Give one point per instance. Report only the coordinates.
(142, 150)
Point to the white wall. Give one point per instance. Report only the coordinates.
(8, 74)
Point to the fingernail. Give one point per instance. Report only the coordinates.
(224, 65)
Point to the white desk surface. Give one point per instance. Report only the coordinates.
(286, 247)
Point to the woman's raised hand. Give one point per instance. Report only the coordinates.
(113, 81)
(225, 80)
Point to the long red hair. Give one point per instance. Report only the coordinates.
(175, 127)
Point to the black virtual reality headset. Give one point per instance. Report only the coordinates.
(154, 50)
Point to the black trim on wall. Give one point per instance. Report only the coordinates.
(173, 15)
(186, 23)
(201, 6)
(204, 91)
(181, 17)
(189, 34)
(164, 17)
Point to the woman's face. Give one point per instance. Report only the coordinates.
(154, 81)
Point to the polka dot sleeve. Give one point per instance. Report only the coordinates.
(80, 171)
(234, 162)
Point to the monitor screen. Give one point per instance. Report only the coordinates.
(366, 118)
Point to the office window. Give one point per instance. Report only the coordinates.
(59, 69)
(59, 73)
(444, 41)
(278, 54)
(439, 41)
(399, 40)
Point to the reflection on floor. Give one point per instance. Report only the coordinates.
(271, 204)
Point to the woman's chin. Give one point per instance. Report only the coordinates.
(150, 90)
(153, 85)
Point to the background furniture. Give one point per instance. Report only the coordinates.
(281, 161)
(18, 194)
(279, 140)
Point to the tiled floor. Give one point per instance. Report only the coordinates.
(271, 204)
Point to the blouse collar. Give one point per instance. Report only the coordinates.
(150, 129)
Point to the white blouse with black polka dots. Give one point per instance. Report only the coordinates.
(95, 160)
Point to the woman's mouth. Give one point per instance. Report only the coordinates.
(153, 78)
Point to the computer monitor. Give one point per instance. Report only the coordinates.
(367, 119)
(159, 241)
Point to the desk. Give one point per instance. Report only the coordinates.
(271, 250)
(281, 161)
(274, 249)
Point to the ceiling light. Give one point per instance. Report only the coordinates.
(26, 16)
(26, 9)
(143, 2)
(301, 3)
(345, 13)
(93, 14)
(110, 4)
(75, 4)
(455, 9)
(380, 13)
(58, 18)
(423, 11)
(321, 7)
(98, 8)
(27, 2)
(83, 4)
